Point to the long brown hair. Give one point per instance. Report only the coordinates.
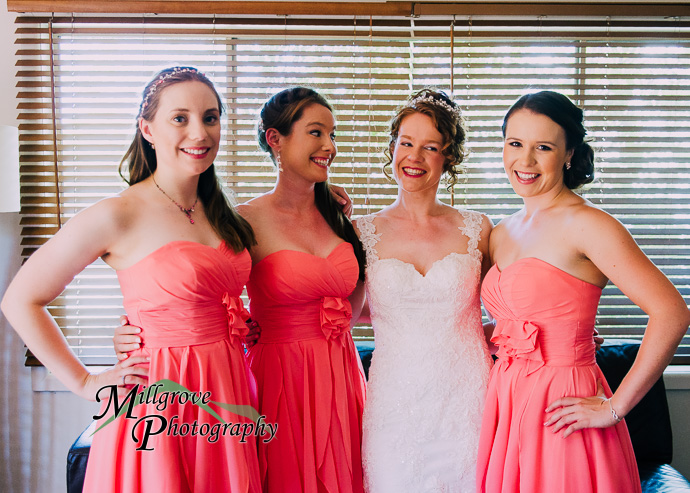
(140, 161)
(281, 111)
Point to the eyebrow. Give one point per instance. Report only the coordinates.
(553, 144)
(428, 141)
(186, 110)
(319, 124)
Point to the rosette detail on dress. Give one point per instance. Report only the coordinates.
(335, 314)
(518, 339)
(237, 315)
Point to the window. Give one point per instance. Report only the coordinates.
(632, 78)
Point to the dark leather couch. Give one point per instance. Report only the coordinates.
(649, 424)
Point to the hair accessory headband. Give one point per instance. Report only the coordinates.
(455, 111)
(173, 72)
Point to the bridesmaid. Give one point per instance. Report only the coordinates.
(306, 263)
(180, 254)
(550, 421)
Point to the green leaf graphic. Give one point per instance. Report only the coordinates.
(166, 385)
(244, 411)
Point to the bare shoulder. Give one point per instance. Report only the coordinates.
(498, 232)
(588, 218)
(90, 234)
(253, 209)
(109, 215)
(593, 229)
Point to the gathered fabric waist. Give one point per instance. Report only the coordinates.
(554, 343)
(205, 324)
(327, 318)
(178, 337)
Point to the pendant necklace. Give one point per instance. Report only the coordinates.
(186, 212)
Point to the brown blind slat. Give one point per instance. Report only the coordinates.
(635, 91)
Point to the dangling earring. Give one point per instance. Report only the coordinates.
(567, 165)
(279, 162)
(152, 146)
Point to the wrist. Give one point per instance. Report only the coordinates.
(617, 417)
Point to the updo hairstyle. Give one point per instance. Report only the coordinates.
(448, 120)
(570, 118)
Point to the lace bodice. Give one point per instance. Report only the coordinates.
(429, 371)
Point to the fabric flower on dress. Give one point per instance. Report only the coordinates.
(335, 315)
(237, 315)
(518, 339)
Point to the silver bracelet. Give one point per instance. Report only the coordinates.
(613, 412)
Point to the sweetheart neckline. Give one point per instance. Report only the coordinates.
(165, 245)
(287, 250)
(433, 264)
(557, 269)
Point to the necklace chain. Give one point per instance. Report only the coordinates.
(186, 212)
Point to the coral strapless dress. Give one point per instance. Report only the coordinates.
(545, 320)
(185, 297)
(309, 375)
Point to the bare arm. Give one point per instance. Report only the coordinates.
(617, 255)
(42, 278)
(484, 243)
(360, 308)
(614, 252)
(487, 262)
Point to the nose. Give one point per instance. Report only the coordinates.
(527, 157)
(414, 155)
(197, 129)
(329, 145)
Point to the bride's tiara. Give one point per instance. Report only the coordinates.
(429, 99)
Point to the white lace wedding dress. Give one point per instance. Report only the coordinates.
(429, 371)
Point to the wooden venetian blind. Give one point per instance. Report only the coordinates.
(80, 81)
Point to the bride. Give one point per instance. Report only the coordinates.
(425, 262)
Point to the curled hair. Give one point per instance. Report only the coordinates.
(570, 118)
(280, 112)
(445, 114)
(140, 161)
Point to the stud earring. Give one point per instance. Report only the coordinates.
(152, 146)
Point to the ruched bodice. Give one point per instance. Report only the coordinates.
(185, 298)
(551, 330)
(190, 301)
(544, 333)
(293, 303)
(309, 376)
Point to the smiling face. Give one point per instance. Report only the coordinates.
(185, 129)
(309, 149)
(534, 153)
(417, 156)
